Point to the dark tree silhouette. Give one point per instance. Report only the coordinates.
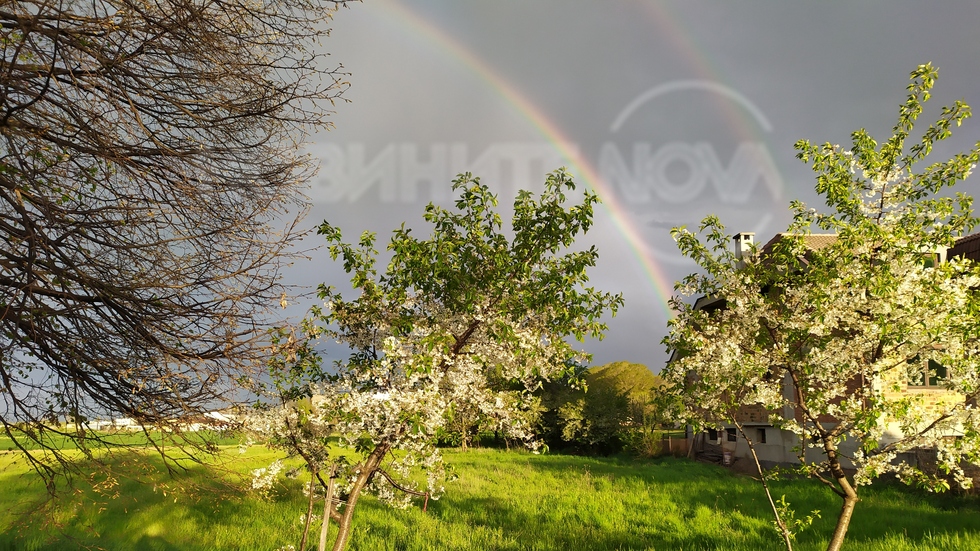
(150, 183)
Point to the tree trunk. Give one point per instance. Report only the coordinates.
(783, 529)
(327, 510)
(309, 512)
(692, 443)
(849, 496)
(367, 470)
(843, 520)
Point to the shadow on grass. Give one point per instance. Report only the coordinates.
(116, 511)
(887, 507)
(155, 543)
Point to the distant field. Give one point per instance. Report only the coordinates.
(119, 438)
(502, 500)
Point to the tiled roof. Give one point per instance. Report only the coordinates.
(813, 241)
(967, 246)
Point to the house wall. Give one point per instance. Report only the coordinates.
(932, 400)
(752, 414)
(776, 450)
(780, 444)
(779, 448)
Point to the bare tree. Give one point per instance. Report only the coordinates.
(150, 183)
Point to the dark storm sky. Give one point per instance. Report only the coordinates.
(671, 110)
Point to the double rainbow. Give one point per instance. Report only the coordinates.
(417, 27)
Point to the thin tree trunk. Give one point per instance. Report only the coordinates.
(843, 521)
(848, 494)
(327, 510)
(370, 465)
(787, 537)
(309, 512)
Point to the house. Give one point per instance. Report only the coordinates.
(110, 425)
(774, 446)
(966, 247)
(210, 420)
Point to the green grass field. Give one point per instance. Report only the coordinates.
(116, 439)
(502, 500)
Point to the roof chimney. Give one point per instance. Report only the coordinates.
(743, 244)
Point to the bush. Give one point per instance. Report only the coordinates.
(613, 413)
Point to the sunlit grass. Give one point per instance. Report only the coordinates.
(117, 439)
(502, 500)
(199, 510)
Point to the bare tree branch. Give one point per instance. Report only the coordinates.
(150, 186)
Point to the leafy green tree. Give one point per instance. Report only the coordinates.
(451, 316)
(150, 183)
(829, 339)
(611, 408)
(642, 424)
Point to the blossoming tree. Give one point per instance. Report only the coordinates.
(833, 340)
(452, 316)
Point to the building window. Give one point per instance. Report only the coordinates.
(761, 437)
(936, 373)
(930, 260)
(713, 435)
(731, 435)
(930, 374)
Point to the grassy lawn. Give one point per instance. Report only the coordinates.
(502, 500)
(120, 438)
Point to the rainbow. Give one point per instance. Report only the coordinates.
(418, 27)
(675, 32)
